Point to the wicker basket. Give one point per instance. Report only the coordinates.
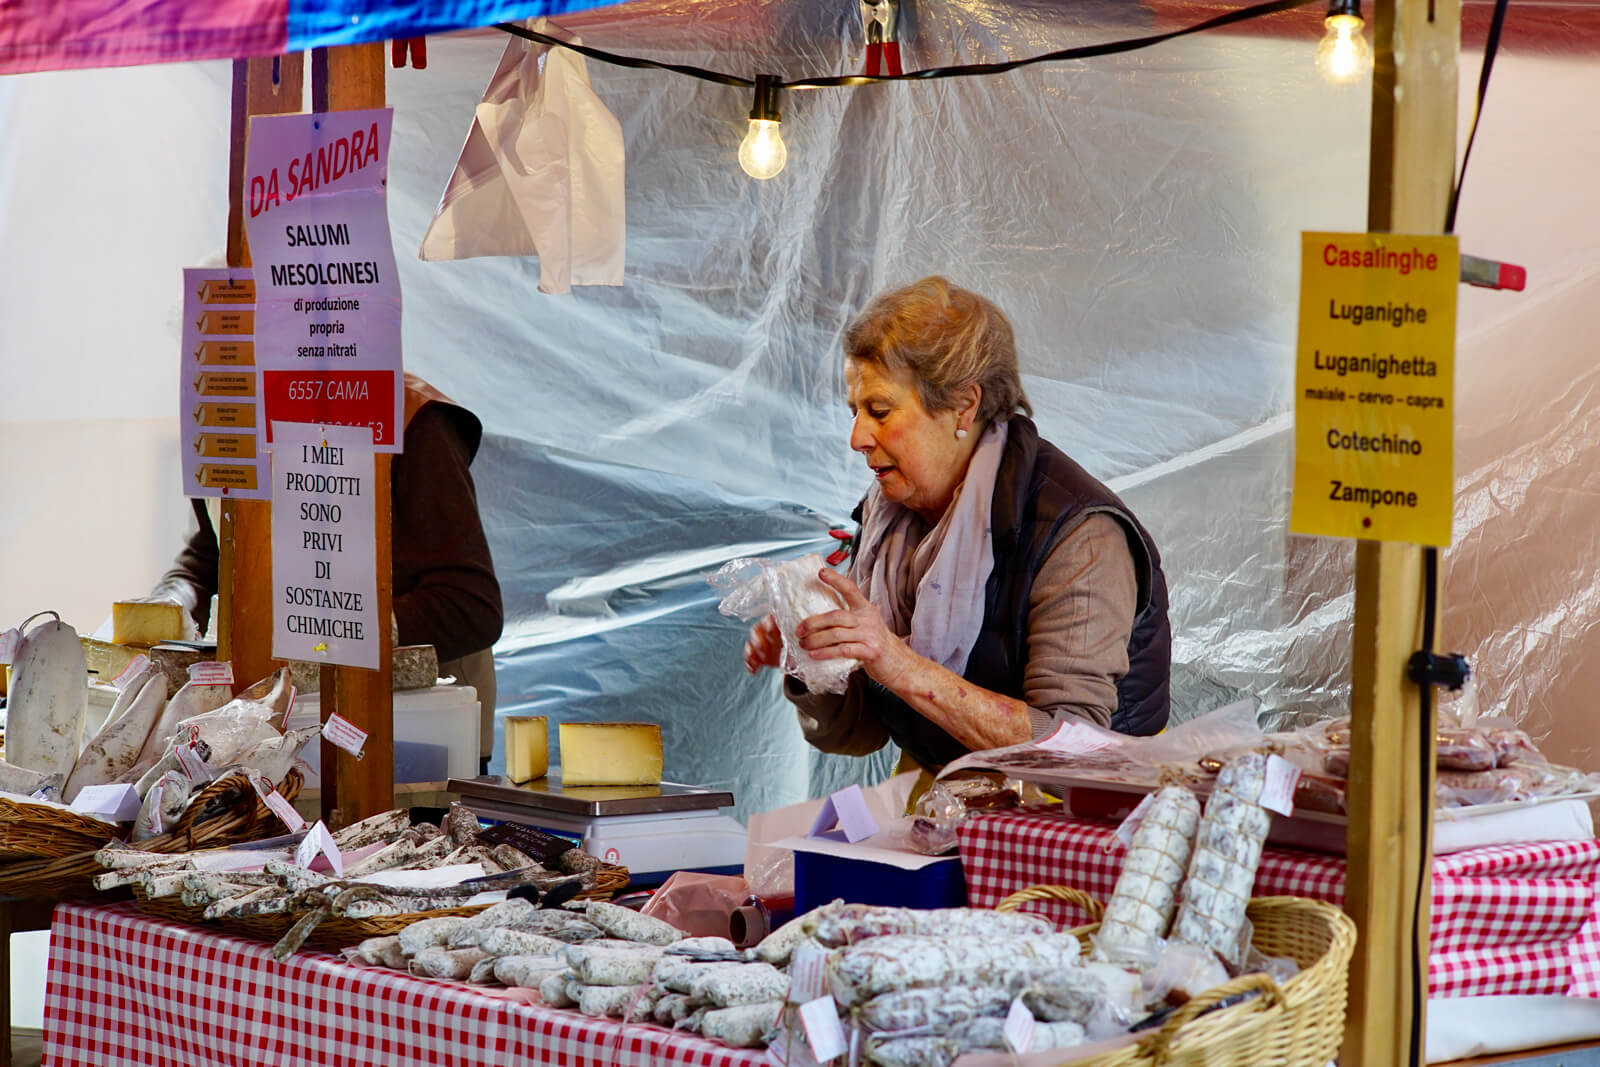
(52, 875)
(1297, 1024)
(338, 931)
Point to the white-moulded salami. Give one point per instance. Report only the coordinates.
(886, 964)
(1142, 905)
(849, 924)
(48, 698)
(1227, 851)
(744, 1026)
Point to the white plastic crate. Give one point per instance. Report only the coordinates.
(435, 734)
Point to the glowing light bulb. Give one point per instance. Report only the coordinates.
(762, 153)
(1343, 55)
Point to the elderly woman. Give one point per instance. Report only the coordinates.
(997, 589)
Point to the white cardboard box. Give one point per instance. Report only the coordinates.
(435, 734)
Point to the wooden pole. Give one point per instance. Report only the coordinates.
(347, 79)
(1388, 877)
(268, 86)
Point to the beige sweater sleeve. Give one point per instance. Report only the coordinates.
(835, 722)
(1080, 616)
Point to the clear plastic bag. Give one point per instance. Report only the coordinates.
(790, 591)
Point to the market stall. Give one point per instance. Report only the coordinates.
(1387, 754)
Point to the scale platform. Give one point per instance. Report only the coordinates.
(651, 830)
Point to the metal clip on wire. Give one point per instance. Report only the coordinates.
(1450, 670)
(880, 19)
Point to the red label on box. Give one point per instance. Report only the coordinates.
(332, 398)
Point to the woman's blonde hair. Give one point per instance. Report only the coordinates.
(946, 337)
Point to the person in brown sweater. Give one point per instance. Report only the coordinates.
(996, 588)
(445, 590)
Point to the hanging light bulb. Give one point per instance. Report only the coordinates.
(1343, 55)
(762, 153)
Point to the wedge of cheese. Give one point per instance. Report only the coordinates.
(107, 660)
(610, 753)
(140, 622)
(527, 747)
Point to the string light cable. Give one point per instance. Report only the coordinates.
(965, 70)
(763, 144)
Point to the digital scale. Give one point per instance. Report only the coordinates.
(653, 830)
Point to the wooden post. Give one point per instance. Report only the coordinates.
(1414, 84)
(268, 86)
(347, 79)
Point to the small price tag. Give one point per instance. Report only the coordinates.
(136, 666)
(787, 1047)
(118, 803)
(1077, 738)
(284, 811)
(806, 973)
(823, 1032)
(318, 841)
(1019, 1027)
(211, 673)
(193, 764)
(845, 814)
(288, 711)
(1131, 824)
(8, 645)
(342, 734)
(1277, 794)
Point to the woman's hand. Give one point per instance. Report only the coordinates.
(857, 631)
(764, 646)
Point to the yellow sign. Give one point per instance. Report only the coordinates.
(218, 383)
(227, 291)
(225, 353)
(242, 415)
(1374, 425)
(224, 477)
(226, 446)
(234, 322)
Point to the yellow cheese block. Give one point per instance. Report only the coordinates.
(610, 753)
(106, 660)
(527, 747)
(137, 622)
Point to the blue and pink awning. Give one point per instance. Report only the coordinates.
(71, 34)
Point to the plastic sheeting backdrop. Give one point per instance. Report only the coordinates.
(1137, 216)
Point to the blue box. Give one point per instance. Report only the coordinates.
(819, 879)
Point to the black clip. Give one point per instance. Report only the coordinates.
(1450, 670)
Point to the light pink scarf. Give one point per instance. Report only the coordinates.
(929, 584)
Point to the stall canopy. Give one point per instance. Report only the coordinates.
(1138, 216)
(70, 34)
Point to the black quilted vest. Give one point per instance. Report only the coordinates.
(1040, 494)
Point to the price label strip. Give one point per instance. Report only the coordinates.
(341, 733)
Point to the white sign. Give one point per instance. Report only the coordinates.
(820, 1020)
(328, 293)
(845, 816)
(319, 842)
(324, 550)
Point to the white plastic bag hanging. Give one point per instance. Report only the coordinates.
(541, 173)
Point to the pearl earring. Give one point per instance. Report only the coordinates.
(961, 435)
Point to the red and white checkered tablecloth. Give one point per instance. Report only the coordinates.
(128, 989)
(1507, 919)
